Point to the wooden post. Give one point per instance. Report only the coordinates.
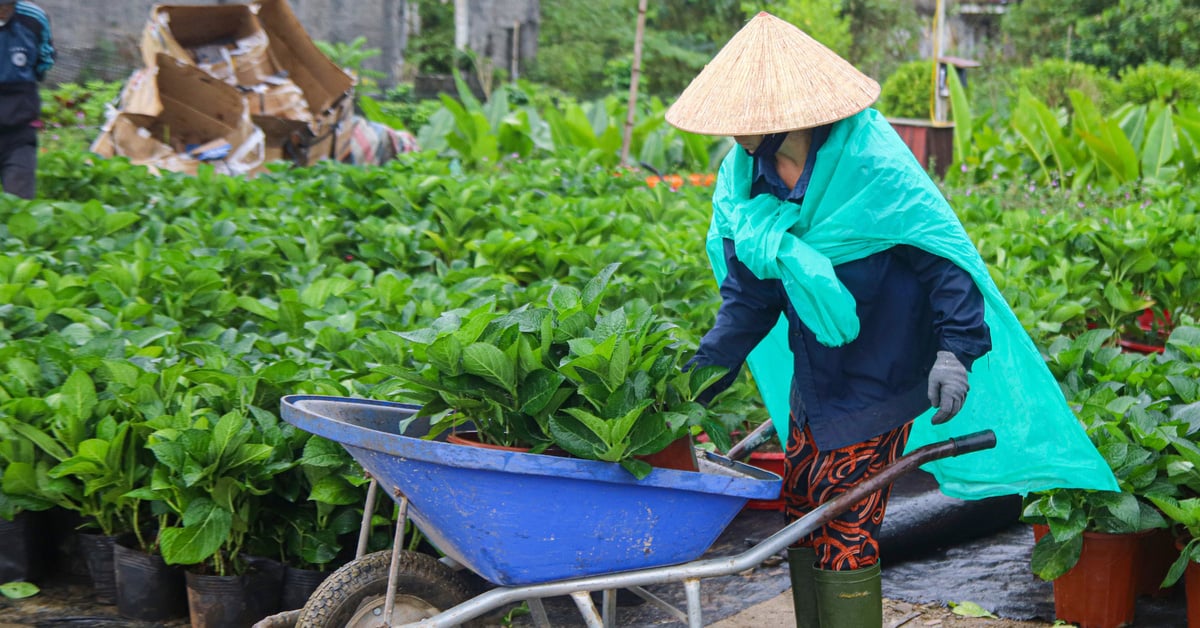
(636, 74)
(514, 71)
(462, 24)
(940, 109)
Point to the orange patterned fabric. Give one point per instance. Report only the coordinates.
(813, 477)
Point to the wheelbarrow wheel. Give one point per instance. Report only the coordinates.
(354, 596)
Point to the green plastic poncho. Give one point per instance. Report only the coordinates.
(868, 194)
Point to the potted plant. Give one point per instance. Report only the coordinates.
(315, 515)
(85, 466)
(212, 470)
(1185, 516)
(1119, 397)
(600, 384)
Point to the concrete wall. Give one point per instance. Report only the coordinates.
(99, 39)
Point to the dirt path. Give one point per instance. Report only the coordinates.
(778, 612)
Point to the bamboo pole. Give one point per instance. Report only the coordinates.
(937, 109)
(639, 36)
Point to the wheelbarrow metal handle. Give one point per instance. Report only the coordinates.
(978, 441)
(760, 435)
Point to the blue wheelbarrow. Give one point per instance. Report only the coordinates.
(538, 526)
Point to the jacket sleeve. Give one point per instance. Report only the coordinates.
(750, 308)
(957, 303)
(46, 53)
(39, 24)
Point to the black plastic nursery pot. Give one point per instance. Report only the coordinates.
(235, 601)
(147, 588)
(217, 601)
(97, 550)
(298, 586)
(264, 585)
(19, 549)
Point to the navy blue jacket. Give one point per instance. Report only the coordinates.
(910, 304)
(26, 54)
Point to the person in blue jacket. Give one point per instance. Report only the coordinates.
(26, 55)
(920, 317)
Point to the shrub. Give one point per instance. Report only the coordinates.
(906, 92)
(1049, 80)
(1155, 82)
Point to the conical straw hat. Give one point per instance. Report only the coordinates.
(770, 78)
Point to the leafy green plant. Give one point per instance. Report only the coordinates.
(1139, 411)
(1155, 82)
(210, 473)
(601, 384)
(907, 92)
(1051, 80)
(352, 57)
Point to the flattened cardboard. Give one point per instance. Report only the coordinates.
(173, 107)
(322, 81)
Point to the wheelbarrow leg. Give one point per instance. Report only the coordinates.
(583, 600)
(537, 612)
(389, 602)
(692, 587)
(364, 530)
(609, 608)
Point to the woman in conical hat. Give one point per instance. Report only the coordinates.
(862, 308)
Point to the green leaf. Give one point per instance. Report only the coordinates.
(322, 453)
(594, 290)
(565, 299)
(77, 396)
(489, 362)
(1051, 559)
(446, 354)
(571, 434)
(333, 489)
(970, 609)
(1159, 144)
(228, 434)
(19, 590)
(205, 528)
(964, 120)
(640, 469)
(596, 425)
(249, 455)
(538, 389)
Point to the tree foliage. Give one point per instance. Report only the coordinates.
(820, 19)
(1105, 33)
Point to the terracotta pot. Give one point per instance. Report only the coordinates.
(471, 439)
(679, 455)
(1101, 589)
(1158, 554)
(1191, 578)
(772, 461)
(1129, 346)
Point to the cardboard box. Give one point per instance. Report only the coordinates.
(298, 99)
(324, 83)
(328, 88)
(175, 117)
(227, 41)
(279, 98)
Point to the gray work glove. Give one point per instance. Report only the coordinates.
(947, 386)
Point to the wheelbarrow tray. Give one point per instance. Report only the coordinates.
(519, 518)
